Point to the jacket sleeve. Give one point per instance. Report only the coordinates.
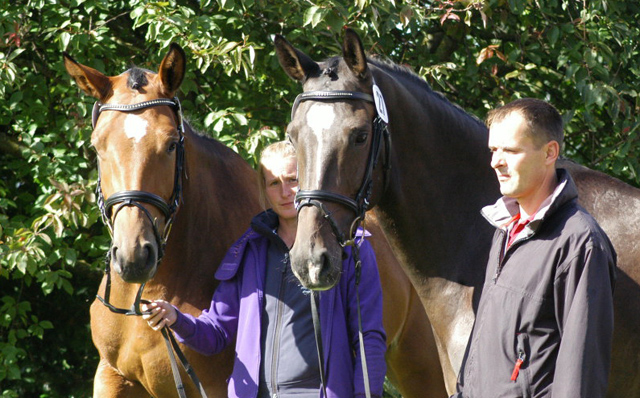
(583, 291)
(374, 337)
(215, 328)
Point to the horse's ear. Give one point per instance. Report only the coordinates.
(88, 79)
(353, 53)
(295, 63)
(172, 69)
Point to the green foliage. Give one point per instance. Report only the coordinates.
(581, 56)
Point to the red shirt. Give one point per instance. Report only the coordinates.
(519, 226)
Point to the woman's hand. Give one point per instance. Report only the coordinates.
(162, 314)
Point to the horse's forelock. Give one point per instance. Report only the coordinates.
(137, 78)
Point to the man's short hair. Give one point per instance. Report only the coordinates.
(543, 119)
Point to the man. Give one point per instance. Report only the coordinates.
(545, 319)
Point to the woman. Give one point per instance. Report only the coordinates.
(261, 305)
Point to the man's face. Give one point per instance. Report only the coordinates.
(519, 163)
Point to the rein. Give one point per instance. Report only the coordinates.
(359, 205)
(109, 209)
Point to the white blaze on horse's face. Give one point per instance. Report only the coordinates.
(320, 117)
(135, 127)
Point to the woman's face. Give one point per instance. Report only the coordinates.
(281, 185)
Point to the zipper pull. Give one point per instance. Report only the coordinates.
(287, 263)
(516, 368)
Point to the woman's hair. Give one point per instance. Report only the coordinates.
(280, 149)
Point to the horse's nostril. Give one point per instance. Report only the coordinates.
(114, 254)
(318, 270)
(326, 264)
(148, 255)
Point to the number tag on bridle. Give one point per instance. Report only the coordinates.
(381, 108)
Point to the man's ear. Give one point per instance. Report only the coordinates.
(552, 151)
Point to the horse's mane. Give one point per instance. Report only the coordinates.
(408, 74)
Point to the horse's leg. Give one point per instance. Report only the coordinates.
(109, 383)
(414, 366)
(450, 309)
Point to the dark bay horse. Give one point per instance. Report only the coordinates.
(428, 183)
(151, 177)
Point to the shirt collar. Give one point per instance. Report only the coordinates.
(502, 212)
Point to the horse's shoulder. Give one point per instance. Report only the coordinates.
(233, 258)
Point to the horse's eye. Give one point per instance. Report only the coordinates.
(172, 147)
(361, 138)
(290, 137)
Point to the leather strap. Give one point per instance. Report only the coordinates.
(172, 346)
(318, 334)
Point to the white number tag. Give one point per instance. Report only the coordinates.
(380, 106)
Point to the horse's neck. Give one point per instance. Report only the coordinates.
(219, 198)
(441, 178)
(220, 194)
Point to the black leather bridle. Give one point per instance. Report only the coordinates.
(110, 207)
(360, 204)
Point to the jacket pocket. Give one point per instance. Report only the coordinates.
(521, 363)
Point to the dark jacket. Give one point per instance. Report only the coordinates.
(546, 305)
(236, 311)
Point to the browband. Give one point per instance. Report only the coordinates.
(328, 96)
(99, 107)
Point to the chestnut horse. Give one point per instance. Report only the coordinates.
(424, 164)
(157, 176)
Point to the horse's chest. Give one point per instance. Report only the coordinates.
(125, 342)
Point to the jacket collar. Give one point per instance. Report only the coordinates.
(265, 224)
(500, 213)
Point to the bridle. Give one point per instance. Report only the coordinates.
(360, 204)
(110, 207)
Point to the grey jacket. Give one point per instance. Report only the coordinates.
(545, 319)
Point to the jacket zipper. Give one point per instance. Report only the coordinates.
(276, 335)
(503, 254)
(516, 369)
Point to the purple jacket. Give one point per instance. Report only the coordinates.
(236, 310)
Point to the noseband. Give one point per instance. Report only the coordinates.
(360, 204)
(110, 207)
